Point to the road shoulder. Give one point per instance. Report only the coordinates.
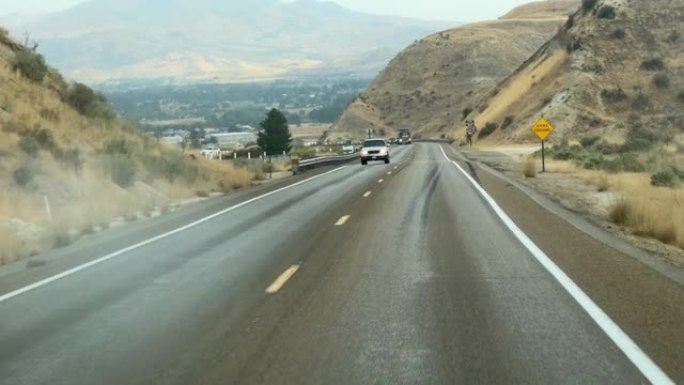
(647, 303)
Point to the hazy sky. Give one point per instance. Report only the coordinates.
(457, 10)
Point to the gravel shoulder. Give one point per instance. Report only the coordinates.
(574, 190)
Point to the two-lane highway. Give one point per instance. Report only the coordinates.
(383, 274)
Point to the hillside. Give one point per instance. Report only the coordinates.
(430, 84)
(61, 146)
(214, 40)
(612, 66)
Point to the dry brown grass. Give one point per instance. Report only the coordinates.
(651, 212)
(86, 198)
(602, 182)
(645, 210)
(530, 168)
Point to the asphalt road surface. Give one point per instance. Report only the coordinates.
(383, 274)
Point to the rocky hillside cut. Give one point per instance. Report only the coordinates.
(437, 81)
(614, 65)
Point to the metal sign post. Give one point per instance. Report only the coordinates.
(543, 158)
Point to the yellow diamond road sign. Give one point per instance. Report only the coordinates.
(543, 129)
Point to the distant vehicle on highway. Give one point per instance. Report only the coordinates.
(404, 136)
(375, 149)
(211, 152)
(392, 141)
(348, 149)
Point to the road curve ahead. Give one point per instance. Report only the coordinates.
(384, 274)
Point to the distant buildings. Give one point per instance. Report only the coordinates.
(233, 140)
(173, 139)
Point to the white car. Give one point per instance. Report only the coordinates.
(375, 149)
(211, 152)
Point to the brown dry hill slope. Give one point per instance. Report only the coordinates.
(61, 143)
(614, 63)
(429, 85)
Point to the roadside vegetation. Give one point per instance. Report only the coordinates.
(644, 175)
(69, 166)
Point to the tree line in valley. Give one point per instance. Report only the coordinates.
(229, 105)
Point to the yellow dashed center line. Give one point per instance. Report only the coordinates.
(343, 220)
(282, 279)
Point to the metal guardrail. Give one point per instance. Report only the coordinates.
(307, 164)
(449, 141)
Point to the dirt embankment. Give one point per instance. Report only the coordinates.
(69, 167)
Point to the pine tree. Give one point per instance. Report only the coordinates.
(275, 136)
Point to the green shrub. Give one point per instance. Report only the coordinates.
(673, 37)
(507, 122)
(119, 146)
(606, 12)
(487, 130)
(641, 103)
(44, 137)
(616, 95)
(31, 65)
(466, 112)
(606, 148)
(588, 5)
(680, 96)
(661, 81)
(10, 127)
(654, 64)
(642, 137)
(592, 161)
(29, 145)
(173, 166)
(565, 153)
(88, 102)
(23, 176)
(120, 169)
(631, 163)
(667, 178)
(637, 145)
(70, 158)
(624, 162)
(678, 171)
(589, 141)
(49, 115)
(619, 34)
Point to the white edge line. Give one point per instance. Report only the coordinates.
(282, 279)
(115, 254)
(367, 194)
(381, 180)
(642, 361)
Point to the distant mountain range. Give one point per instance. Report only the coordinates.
(235, 40)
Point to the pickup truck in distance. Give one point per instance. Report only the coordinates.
(375, 149)
(404, 137)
